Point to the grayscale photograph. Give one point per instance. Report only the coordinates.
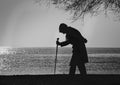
(59, 42)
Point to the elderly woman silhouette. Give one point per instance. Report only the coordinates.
(79, 57)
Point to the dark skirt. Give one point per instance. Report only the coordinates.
(79, 54)
(78, 58)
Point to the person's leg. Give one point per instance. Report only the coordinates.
(72, 70)
(82, 69)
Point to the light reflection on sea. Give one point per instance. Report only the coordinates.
(14, 62)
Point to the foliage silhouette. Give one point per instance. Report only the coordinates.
(80, 8)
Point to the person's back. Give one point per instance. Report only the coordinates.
(76, 35)
(75, 38)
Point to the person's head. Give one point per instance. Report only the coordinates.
(63, 28)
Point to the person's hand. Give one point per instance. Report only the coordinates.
(57, 42)
(85, 40)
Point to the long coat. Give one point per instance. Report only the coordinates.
(77, 41)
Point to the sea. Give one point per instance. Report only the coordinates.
(41, 61)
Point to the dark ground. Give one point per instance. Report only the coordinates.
(60, 80)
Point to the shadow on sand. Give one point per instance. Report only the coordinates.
(60, 80)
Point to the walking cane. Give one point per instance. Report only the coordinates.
(56, 56)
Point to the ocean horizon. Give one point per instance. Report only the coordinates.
(41, 61)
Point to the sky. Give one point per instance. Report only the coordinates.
(23, 23)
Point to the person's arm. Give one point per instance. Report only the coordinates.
(64, 43)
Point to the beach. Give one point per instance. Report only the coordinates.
(41, 61)
(35, 66)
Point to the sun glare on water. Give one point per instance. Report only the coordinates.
(4, 50)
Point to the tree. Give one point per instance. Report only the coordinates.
(80, 8)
